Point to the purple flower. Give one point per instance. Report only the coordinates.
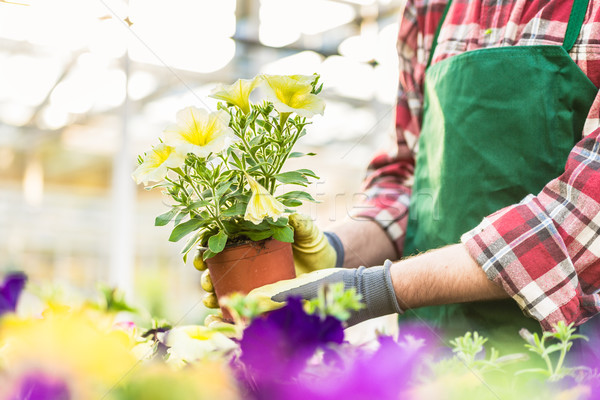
(275, 348)
(10, 290)
(386, 373)
(428, 340)
(38, 386)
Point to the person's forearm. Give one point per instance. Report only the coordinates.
(443, 276)
(365, 243)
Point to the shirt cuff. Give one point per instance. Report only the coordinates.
(335, 242)
(389, 208)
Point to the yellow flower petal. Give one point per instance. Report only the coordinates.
(200, 132)
(237, 94)
(193, 342)
(262, 204)
(70, 346)
(292, 93)
(155, 163)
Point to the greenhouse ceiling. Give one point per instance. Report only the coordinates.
(77, 75)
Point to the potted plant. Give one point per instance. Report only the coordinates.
(224, 174)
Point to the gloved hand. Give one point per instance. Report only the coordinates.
(374, 284)
(210, 299)
(313, 249)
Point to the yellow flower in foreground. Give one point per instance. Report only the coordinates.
(192, 343)
(262, 204)
(236, 94)
(292, 93)
(207, 380)
(69, 347)
(155, 163)
(200, 132)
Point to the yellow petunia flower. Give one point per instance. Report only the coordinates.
(292, 93)
(237, 94)
(192, 343)
(69, 348)
(200, 132)
(155, 164)
(262, 204)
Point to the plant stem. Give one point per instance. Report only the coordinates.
(282, 161)
(181, 186)
(548, 364)
(217, 215)
(247, 148)
(561, 358)
(287, 153)
(214, 214)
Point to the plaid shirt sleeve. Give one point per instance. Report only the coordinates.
(545, 250)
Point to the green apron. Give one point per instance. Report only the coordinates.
(498, 124)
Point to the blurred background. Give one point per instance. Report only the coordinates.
(87, 85)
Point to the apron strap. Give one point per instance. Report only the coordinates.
(573, 28)
(575, 22)
(437, 32)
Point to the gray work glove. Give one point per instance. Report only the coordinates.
(374, 284)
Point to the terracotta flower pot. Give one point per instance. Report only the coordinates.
(241, 268)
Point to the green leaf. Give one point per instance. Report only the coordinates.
(236, 160)
(184, 229)
(307, 172)
(533, 370)
(223, 188)
(216, 243)
(198, 204)
(292, 177)
(580, 337)
(281, 222)
(257, 235)
(285, 234)
(296, 154)
(179, 217)
(552, 348)
(264, 124)
(246, 307)
(333, 300)
(236, 210)
(254, 166)
(251, 226)
(256, 141)
(190, 243)
(208, 254)
(250, 161)
(162, 184)
(253, 169)
(291, 202)
(114, 299)
(296, 195)
(228, 175)
(165, 218)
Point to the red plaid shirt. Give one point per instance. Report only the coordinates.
(545, 250)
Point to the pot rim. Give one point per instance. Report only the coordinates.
(260, 247)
